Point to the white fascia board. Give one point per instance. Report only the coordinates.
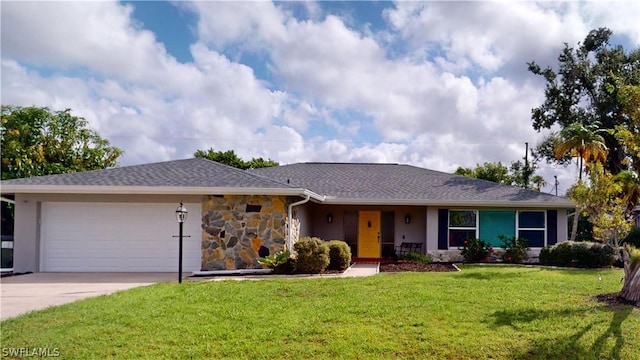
(155, 190)
(483, 203)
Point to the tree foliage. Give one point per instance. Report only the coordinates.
(37, 141)
(518, 174)
(584, 90)
(230, 158)
(605, 199)
(584, 142)
(495, 172)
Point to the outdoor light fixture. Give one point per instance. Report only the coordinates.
(181, 215)
(407, 219)
(329, 218)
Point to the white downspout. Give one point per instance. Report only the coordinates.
(290, 215)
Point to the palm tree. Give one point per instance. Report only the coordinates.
(539, 182)
(583, 142)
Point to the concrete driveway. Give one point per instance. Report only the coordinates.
(24, 293)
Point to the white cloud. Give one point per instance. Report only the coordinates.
(444, 85)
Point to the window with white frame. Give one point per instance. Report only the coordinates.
(463, 225)
(531, 225)
(491, 225)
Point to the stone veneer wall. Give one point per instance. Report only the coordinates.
(239, 229)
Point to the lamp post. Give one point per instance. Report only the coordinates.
(181, 215)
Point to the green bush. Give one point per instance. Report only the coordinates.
(312, 255)
(416, 257)
(578, 254)
(515, 249)
(280, 262)
(339, 255)
(633, 238)
(475, 250)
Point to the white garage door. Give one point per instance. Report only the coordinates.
(117, 237)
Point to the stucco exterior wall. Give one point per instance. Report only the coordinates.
(26, 236)
(304, 213)
(315, 223)
(432, 227)
(563, 231)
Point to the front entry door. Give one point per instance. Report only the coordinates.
(369, 234)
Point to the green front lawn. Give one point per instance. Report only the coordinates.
(482, 312)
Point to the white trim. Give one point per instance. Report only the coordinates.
(7, 200)
(189, 190)
(149, 190)
(453, 203)
(468, 228)
(290, 221)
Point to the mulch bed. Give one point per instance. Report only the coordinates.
(614, 299)
(416, 266)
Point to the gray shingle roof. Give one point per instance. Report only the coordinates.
(353, 182)
(178, 173)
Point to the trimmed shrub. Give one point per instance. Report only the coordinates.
(515, 249)
(475, 250)
(312, 255)
(578, 254)
(339, 255)
(416, 257)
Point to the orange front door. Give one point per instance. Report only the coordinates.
(369, 234)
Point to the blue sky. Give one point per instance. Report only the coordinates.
(432, 84)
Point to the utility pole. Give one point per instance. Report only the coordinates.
(555, 177)
(525, 173)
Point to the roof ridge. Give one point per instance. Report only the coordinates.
(343, 163)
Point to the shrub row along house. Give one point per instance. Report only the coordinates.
(122, 219)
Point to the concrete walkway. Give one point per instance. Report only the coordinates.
(358, 270)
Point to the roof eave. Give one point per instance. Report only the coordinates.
(452, 203)
(155, 190)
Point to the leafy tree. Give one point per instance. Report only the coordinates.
(495, 172)
(604, 200)
(230, 158)
(518, 174)
(523, 174)
(629, 137)
(37, 141)
(584, 90)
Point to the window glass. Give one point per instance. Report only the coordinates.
(531, 219)
(462, 218)
(535, 238)
(496, 223)
(457, 237)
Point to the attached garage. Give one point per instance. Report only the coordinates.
(117, 237)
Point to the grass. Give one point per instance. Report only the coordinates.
(480, 313)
